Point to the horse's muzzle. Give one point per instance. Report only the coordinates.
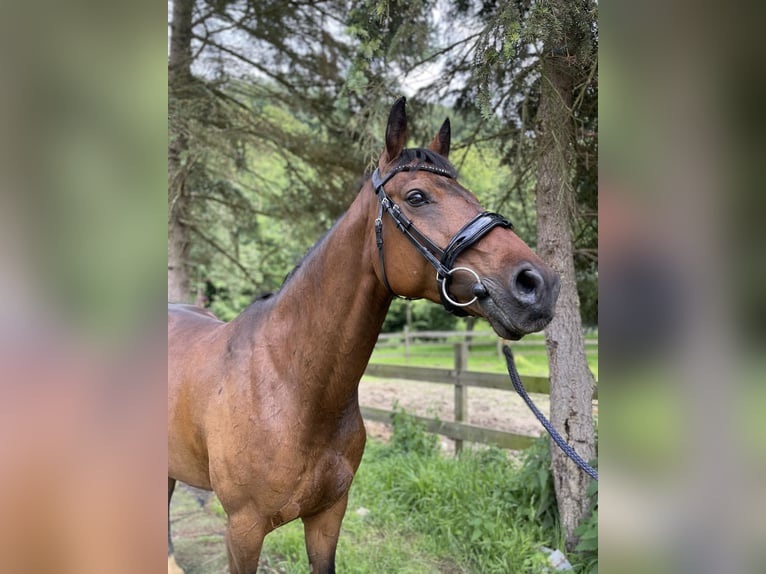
(524, 304)
(534, 288)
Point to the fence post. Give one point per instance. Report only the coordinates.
(407, 343)
(461, 391)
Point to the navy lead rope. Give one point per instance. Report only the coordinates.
(568, 450)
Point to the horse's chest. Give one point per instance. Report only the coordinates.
(328, 480)
(321, 482)
(285, 465)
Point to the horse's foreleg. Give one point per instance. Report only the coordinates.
(244, 538)
(322, 531)
(173, 568)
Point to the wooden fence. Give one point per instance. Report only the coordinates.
(461, 378)
(411, 339)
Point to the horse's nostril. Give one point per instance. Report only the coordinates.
(528, 281)
(527, 285)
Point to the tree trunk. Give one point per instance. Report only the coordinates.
(571, 379)
(178, 275)
(179, 80)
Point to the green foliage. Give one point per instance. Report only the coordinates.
(587, 290)
(396, 318)
(362, 549)
(586, 557)
(426, 315)
(471, 508)
(535, 484)
(409, 436)
(390, 30)
(506, 82)
(275, 144)
(252, 222)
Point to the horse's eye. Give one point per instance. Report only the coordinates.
(416, 198)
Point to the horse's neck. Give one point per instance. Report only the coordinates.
(326, 319)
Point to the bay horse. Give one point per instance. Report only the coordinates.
(264, 410)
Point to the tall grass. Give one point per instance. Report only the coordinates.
(426, 512)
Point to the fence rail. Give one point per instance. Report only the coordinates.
(461, 378)
(458, 431)
(487, 339)
(533, 384)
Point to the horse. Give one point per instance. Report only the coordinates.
(264, 409)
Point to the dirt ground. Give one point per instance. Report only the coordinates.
(501, 410)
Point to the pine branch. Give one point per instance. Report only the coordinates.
(192, 227)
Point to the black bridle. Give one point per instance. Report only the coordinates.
(441, 259)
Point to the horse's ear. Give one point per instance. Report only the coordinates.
(441, 141)
(396, 132)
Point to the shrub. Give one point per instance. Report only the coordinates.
(410, 436)
(535, 484)
(587, 549)
(425, 317)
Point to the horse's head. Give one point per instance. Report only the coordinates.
(435, 240)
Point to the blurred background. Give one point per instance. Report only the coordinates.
(681, 289)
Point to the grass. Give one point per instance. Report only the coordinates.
(429, 514)
(363, 548)
(530, 359)
(424, 513)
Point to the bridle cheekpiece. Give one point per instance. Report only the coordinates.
(441, 259)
